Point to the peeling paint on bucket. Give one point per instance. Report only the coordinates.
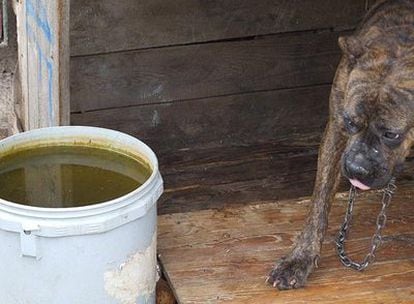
(103, 253)
(134, 278)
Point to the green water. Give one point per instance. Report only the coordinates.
(68, 176)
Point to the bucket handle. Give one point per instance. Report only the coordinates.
(28, 241)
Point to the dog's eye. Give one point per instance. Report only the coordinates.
(392, 136)
(351, 126)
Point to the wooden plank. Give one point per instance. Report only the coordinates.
(237, 165)
(9, 122)
(223, 256)
(302, 144)
(43, 39)
(102, 26)
(236, 193)
(208, 174)
(64, 61)
(286, 217)
(382, 285)
(237, 120)
(288, 176)
(197, 71)
(268, 173)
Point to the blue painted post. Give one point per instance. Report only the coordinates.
(43, 42)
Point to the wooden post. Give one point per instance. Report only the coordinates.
(43, 46)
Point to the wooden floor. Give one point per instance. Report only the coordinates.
(224, 255)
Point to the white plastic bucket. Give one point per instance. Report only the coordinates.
(97, 254)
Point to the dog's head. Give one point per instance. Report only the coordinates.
(378, 112)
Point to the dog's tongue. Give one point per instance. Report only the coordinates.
(358, 184)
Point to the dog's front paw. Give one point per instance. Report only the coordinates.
(291, 272)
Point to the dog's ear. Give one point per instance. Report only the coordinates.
(352, 47)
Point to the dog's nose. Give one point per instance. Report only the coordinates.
(357, 166)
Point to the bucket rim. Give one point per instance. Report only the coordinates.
(94, 209)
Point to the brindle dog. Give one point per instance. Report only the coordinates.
(371, 124)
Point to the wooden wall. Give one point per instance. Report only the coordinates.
(232, 95)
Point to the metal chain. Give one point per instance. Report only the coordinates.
(376, 238)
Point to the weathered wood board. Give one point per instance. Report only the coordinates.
(223, 256)
(103, 26)
(197, 71)
(236, 176)
(237, 120)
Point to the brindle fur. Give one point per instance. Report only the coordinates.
(374, 84)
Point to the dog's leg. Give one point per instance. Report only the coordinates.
(294, 269)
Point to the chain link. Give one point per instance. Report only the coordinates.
(376, 238)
